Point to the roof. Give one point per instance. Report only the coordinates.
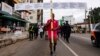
(81, 23)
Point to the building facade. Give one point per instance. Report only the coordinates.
(9, 18)
(70, 19)
(19, 18)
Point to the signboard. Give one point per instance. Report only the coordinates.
(6, 8)
(34, 6)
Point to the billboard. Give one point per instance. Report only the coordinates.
(6, 8)
(63, 5)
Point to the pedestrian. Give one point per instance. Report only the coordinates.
(41, 30)
(61, 31)
(30, 30)
(36, 29)
(45, 32)
(67, 31)
(58, 31)
(52, 26)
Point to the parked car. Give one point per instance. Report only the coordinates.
(95, 35)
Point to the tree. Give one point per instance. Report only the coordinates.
(95, 15)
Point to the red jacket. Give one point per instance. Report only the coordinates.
(55, 26)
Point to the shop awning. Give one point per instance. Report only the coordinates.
(4, 13)
(12, 18)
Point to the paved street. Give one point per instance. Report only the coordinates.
(80, 45)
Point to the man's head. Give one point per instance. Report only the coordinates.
(52, 16)
(66, 22)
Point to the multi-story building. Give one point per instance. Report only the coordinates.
(29, 15)
(36, 15)
(70, 19)
(9, 17)
(21, 17)
(40, 13)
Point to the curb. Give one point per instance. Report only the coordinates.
(7, 42)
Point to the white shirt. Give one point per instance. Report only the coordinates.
(41, 29)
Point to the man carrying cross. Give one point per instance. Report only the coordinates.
(52, 27)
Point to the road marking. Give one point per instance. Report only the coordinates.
(75, 54)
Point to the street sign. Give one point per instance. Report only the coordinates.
(63, 5)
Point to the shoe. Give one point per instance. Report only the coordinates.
(54, 49)
(68, 42)
(51, 53)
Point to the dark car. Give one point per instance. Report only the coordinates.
(95, 35)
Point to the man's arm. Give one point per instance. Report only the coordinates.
(48, 23)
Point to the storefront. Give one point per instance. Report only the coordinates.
(8, 18)
(11, 21)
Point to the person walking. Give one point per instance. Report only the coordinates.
(67, 31)
(41, 30)
(30, 32)
(52, 26)
(36, 29)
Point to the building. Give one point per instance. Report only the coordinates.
(35, 16)
(81, 27)
(40, 13)
(29, 15)
(19, 18)
(9, 18)
(70, 19)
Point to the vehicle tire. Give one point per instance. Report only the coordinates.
(94, 43)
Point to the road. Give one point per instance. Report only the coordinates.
(79, 45)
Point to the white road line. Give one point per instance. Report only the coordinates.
(75, 54)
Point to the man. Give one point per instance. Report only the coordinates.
(36, 31)
(67, 31)
(41, 30)
(30, 32)
(52, 26)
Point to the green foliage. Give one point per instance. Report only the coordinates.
(95, 15)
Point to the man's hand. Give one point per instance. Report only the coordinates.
(49, 22)
(53, 29)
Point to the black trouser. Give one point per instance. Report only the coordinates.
(52, 46)
(66, 36)
(61, 34)
(35, 34)
(41, 34)
(31, 35)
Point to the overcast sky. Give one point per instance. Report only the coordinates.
(79, 14)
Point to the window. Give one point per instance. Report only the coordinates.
(98, 27)
(31, 17)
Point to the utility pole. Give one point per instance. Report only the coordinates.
(91, 19)
(85, 19)
(92, 16)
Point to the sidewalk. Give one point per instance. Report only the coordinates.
(9, 38)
